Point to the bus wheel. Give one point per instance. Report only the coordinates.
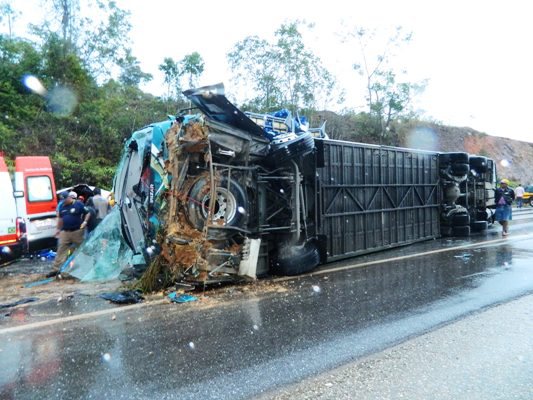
(461, 231)
(296, 259)
(229, 209)
(479, 226)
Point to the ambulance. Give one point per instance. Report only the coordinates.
(13, 240)
(28, 213)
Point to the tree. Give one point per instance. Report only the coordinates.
(172, 77)
(17, 58)
(131, 73)
(68, 10)
(387, 97)
(100, 44)
(63, 68)
(283, 74)
(106, 43)
(193, 65)
(8, 14)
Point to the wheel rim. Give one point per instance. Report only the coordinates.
(225, 206)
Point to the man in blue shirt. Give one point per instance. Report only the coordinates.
(71, 223)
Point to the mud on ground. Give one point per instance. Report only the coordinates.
(56, 300)
(15, 277)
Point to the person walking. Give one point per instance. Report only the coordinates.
(504, 197)
(519, 193)
(71, 223)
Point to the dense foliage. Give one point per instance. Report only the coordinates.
(72, 91)
(79, 124)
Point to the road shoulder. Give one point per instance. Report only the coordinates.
(488, 355)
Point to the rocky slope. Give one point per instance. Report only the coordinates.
(514, 158)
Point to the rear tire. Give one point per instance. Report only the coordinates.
(460, 219)
(446, 231)
(479, 163)
(479, 226)
(460, 169)
(461, 231)
(459, 158)
(295, 260)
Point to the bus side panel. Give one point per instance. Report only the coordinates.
(375, 197)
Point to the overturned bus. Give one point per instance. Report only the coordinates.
(224, 194)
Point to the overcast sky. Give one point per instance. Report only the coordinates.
(476, 55)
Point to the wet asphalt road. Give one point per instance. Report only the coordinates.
(252, 341)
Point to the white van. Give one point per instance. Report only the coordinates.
(13, 239)
(35, 194)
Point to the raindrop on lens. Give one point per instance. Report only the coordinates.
(34, 84)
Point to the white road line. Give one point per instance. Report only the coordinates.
(42, 324)
(79, 317)
(365, 264)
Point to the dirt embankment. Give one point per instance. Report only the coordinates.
(514, 158)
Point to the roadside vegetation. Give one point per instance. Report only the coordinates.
(71, 89)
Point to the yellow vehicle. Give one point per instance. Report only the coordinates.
(528, 195)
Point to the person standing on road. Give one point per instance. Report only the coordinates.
(71, 223)
(519, 193)
(504, 197)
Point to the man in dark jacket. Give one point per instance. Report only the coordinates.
(504, 197)
(71, 223)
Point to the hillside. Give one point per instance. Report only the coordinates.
(514, 158)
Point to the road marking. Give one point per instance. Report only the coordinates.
(43, 324)
(79, 317)
(387, 260)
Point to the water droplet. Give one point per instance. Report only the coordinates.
(62, 101)
(34, 84)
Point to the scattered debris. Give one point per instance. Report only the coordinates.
(182, 298)
(47, 254)
(464, 256)
(104, 256)
(39, 282)
(18, 302)
(126, 297)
